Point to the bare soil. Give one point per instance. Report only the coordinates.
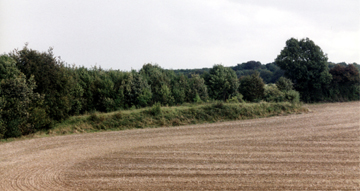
(318, 150)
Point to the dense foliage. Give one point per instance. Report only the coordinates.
(252, 87)
(306, 65)
(345, 84)
(222, 82)
(38, 89)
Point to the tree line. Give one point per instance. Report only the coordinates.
(38, 89)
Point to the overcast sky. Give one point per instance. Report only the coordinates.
(125, 34)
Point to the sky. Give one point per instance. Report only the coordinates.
(178, 34)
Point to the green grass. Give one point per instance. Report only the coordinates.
(172, 116)
(157, 116)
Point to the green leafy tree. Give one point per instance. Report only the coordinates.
(76, 91)
(252, 87)
(156, 78)
(104, 92)
(345, 83)
(179, 88)
(21, 110)
(266, 75)
(198, 91)
(52, 79)
(141, 90)
(8, 67)
(19, 105)
(306, 65)
(222, 82)
(85, 80)
(137, 91)
(166, 95)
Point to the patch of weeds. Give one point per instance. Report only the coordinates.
(117, 115)
(218, 104)
(155, 110)
(175, 122)
(95, 118)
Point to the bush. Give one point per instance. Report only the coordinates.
(39, 120)
(252, 87)
(117, 115)
(218, 105)
(284, 84)
(13, 128)
(155, 109)
(197, 99)
(236, 99)
(2, 129)
(292, 96)
(95, 118)
(273, 94)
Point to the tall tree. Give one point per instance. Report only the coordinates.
(306, 65)
(158, 78)
(222, 82)
(51, 77)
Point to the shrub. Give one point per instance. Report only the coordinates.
(284, 84)
(155, 109)
(197, 99)
(218, 105)
(273, 94)
(95, 118)
(39, 120)
(13, 128)
(292, 96)
(238, 98)
(2, 129)
(117, 115)
(252, 87)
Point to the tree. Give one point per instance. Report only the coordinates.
(222, 82)
(251, 65)
(21, 110)
(157, 78)
(345, 83)
(252, 87)
(166, 95)
(266, 75)
(179, 88)
(306, 65)
(8, 67)
(136, 90)
(52, 79)
(197, 89)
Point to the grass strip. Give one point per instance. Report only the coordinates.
(157, 116)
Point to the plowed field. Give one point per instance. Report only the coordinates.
(318, 150)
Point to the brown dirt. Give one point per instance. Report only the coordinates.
(314, 151)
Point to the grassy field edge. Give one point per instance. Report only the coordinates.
(158, 116)
(161, 116)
